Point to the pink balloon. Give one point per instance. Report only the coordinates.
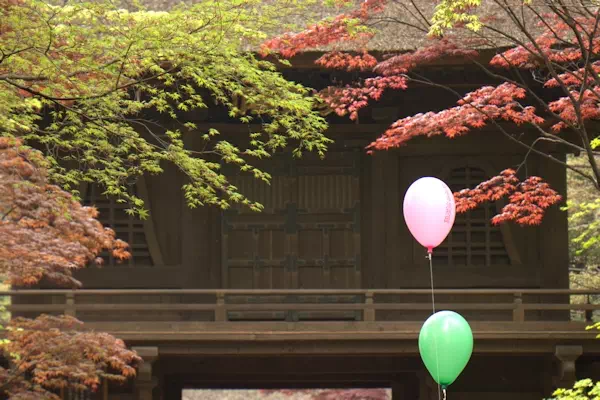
(429, 211)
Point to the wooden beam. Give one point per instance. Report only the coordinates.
(275, 292)
(330, 332)
(531, 346)
(133, 277)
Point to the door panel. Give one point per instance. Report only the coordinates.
(306, 237)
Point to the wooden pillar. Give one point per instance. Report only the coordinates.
(398, 390)
(145, 382)
(427, 386)
(567, 355)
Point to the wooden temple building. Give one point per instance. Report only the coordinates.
(326, 287)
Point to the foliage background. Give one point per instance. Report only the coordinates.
(195, 394)
(583, 207)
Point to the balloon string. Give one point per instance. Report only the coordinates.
(431, 278)
(437, 359)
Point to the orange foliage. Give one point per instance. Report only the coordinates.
(326, 32)
(335, 394)
(562, 52)
(55, 353)
(557, 42)
(44, 231)
(474, 110)
(348, 62)
(433, 52)
(349, 100)
(527, 200)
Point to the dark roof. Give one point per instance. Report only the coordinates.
(394, 36)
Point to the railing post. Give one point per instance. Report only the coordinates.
(220, 312)
(589, 314)
(518, 310)
(70, 304)
(369, 313)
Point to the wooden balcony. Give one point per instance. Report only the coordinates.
(320, 321)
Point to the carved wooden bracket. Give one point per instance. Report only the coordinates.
(567, 355)
(145, 382)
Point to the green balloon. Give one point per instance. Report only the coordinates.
(445, 344)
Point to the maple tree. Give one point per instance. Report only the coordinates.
(557, 42)
(46, 234)
(105, 92)
(102, 89)
(583, 207)
(333, 394)
(354, 394)
(44, 231)
(583, 389)
(53, 353)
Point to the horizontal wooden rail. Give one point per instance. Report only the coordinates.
(365, 302)
(291, 292)
(294, 307)
(112, 307)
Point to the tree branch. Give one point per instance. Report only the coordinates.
(505, 133)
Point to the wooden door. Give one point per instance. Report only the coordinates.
(328, 234)
(307, 237)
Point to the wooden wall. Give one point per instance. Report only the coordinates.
(199, 246)
(398, 261)
(538, 255)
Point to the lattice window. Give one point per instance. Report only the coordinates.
(473, 241)
(128, 228)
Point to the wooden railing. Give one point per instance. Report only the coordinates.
(517, 304)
